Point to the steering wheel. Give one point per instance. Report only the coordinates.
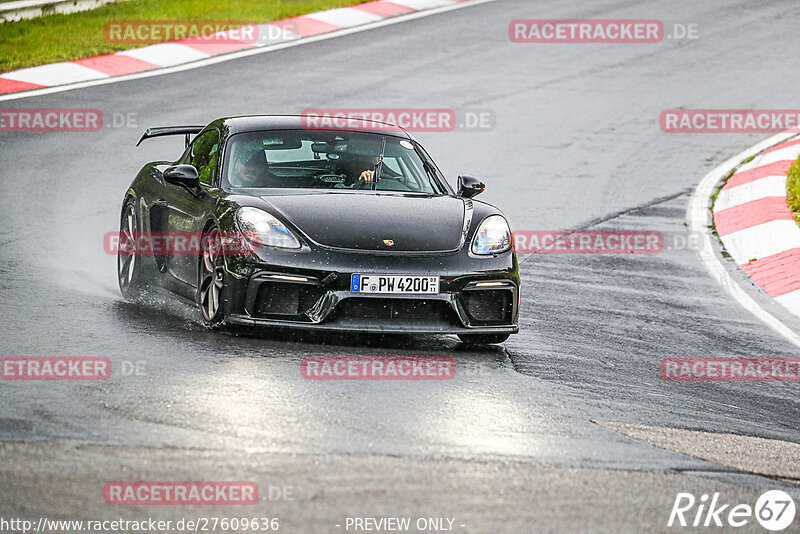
(362, 184)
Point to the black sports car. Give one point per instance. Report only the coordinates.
(349, 229)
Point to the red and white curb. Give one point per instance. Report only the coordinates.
(172, 54)
(755, 225)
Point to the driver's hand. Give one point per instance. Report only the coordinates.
(367, 176)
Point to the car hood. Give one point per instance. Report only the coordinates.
(375, 221)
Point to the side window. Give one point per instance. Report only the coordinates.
(205, 154)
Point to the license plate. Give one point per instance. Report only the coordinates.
(409, 285)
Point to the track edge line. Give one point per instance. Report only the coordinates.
(698, 216)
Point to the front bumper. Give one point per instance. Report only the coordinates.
(477, 295)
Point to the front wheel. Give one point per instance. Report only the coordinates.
(129, 268)
(482, 339)
(211, 280)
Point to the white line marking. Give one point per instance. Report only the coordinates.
(248, 52)
(699, 218)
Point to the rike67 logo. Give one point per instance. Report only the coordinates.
(774, 510)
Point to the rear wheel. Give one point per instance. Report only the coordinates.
(212, 279)
(482, 339)
(129, 269)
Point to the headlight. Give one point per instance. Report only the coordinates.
(493, 236)
(261, 227)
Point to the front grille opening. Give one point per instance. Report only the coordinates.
(395, 310)
(489, 307)
(286, 300)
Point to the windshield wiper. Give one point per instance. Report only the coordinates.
(379, 166)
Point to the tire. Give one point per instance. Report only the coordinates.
(482, 339)
(129, 263)
(211, 280)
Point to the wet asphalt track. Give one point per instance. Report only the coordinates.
(576, 144)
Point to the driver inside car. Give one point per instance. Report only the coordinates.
(369, 174)
(360, 170)
(254, 172)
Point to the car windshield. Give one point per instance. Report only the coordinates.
(299, 159)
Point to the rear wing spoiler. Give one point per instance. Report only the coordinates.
(170, 130)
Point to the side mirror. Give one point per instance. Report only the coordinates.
(469, 186)
(185, 175)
